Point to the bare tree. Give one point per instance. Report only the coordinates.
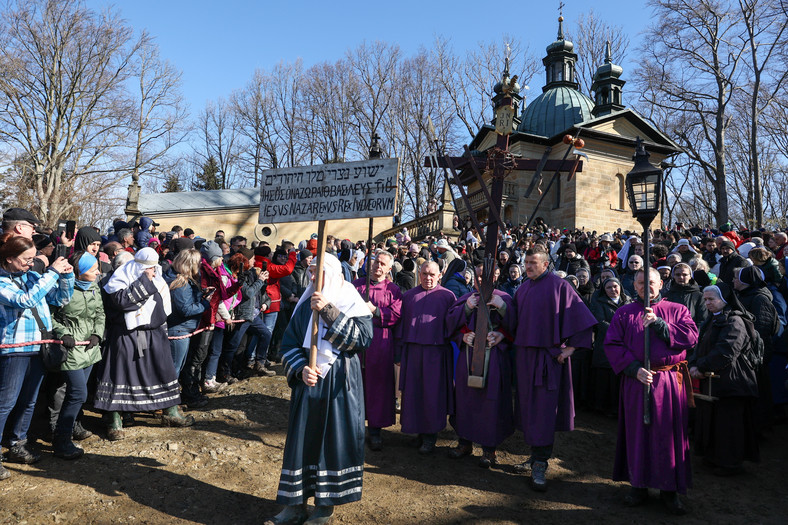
(219, 134)
(691, 67)
(159, 122)
(590, 36)
(63, 70)
(286, 86)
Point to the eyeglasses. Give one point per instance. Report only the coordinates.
(27, 261)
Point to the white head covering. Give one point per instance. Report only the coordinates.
(341, 294)
(131, 272)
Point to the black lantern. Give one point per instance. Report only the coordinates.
(644, 187)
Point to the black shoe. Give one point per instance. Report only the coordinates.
(636, 497)
(488, 460)
(19, 453)
(80, 433)
(65, 448)
(427, 447)
(375, 443)
(539, 476)
(461, 451)
(198, 402)
(672, 502)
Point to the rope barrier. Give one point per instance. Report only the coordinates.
(85, 343)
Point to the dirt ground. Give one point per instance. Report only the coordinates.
(225, 470)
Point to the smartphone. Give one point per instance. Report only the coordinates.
(71, 228)
(61, 250)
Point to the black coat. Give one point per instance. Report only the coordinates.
(728, 264)
(603, 308)
(691, 297)
(758, 301)
(570, 266)
(722, 340)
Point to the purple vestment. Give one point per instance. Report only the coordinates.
(427, 366)
(483, 415)
(378, 359)
(654, 456)
(549, 313)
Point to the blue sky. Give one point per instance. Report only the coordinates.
(218, 44)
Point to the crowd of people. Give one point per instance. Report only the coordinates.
(156, 321)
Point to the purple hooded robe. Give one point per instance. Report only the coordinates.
(483, 415)
(549, 313)
(378, 359)
(654, 456)
(427, 366)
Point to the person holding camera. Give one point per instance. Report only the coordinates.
(24, 295)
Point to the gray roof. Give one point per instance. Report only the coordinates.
(199, 200)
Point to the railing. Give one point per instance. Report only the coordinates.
(422, 227)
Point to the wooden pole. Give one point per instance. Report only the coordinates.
(321, 257)
(369, 258)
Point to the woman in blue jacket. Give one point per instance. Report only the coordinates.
(23, 297)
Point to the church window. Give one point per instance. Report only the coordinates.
(621, 191)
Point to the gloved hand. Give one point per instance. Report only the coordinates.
(94, 340)
(68, 341)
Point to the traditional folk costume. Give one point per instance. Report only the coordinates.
(324, 451)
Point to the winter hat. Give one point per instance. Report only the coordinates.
(745, 248)
(42, 241)
(86, 262)
(263, 250)
(210, 250)
(729, 244)
(86, 236)
(571, 246)
(304, 254)
(180, 244)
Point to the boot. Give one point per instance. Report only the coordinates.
(538, 476)
(79, 433)
(114, 426)
(65, 448)
(321, 516)
(173, 417)
(290, 515)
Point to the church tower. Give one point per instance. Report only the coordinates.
(607, 86)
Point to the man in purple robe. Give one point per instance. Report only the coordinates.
(552, 322)
(384, 301)
(483, 415)
(427, 364)
(654, 455)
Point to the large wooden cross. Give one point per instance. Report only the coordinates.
(498, 163)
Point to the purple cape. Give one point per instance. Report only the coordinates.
(427, 365)
(378, 359)
(549, 314)
(657, 455)
(483, 415)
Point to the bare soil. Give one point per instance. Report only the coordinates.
(225, 470)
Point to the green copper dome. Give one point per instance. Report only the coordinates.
(556, 110)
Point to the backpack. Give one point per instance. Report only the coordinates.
(754, 354)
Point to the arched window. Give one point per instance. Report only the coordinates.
(621, 192)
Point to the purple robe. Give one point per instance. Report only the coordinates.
(549, 313)
(427, 362)
(483, 415)
(654, 456)
(378, 359)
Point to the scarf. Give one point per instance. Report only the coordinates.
(129, 273)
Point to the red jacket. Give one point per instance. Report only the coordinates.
(275, 272)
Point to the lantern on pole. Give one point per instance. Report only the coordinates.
(644, 189)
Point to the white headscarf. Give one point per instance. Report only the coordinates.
(131, 272)
(341, 294)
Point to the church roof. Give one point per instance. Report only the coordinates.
(556, 110)
(199, 200)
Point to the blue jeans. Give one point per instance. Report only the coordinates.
(216, 351)
(179, 348)
(76, 395)
(260, 337)
(20, 380)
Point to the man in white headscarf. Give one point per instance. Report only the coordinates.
(137, 373)
(324, 451)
